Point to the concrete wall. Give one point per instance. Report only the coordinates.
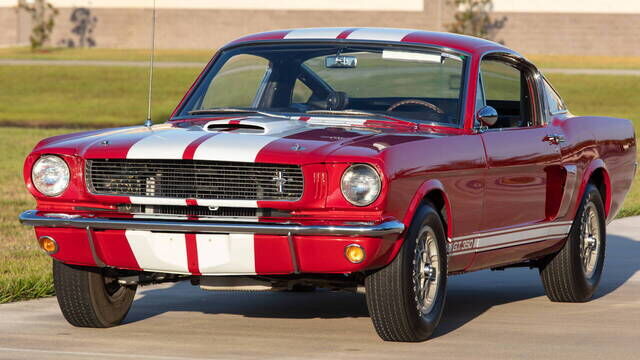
(572, 33)
(584, 33)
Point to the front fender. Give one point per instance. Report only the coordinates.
(423, 191)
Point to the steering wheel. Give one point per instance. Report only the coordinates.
(426, 104)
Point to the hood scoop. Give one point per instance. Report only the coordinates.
(236, 128)
(254, 125)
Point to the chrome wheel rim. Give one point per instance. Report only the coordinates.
(590, 240)
(426, 265)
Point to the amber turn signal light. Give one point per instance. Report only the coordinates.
(354, 253)
(48, 244)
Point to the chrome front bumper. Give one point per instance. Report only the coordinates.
(43, 219)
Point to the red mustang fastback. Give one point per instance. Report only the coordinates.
(336, 158)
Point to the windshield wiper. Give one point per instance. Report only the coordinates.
(386, 117)
(342, 112)
(236, 111)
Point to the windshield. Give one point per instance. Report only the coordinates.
(348, 80)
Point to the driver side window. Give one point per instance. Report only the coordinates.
(506, 89)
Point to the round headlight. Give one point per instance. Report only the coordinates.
(361, 184)
(50, 175)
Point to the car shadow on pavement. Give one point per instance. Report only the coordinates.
(469, 295)
(263, 304)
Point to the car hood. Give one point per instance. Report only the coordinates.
(244, 139)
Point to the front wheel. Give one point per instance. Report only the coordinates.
(573, 274)
(88, 298)
(406, 298)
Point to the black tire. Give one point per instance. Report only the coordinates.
(89, 299)
(391, 292)
(564, 276)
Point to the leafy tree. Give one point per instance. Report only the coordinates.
(473, 17)
(42, 16)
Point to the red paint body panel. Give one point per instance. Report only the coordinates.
(489, 181)
(515, 192)
(73, 245)
(272, 255)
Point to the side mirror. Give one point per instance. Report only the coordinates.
(488, 116)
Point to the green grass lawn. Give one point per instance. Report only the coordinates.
(25, 272)
(105, 54)
(543, 61)
(585, 62)
(85, 96)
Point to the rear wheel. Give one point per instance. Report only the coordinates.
(573, 274)
(406, 298)
(88, 298)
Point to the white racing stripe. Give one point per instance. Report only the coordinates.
(379, 34)
(520, 228)
(218, 254)
(509, 237)
(521, 235)
(317, 33)
(226, 254)
(162, 252)
(168, 144)
(240, 147)
(523, 242)
(232, 147)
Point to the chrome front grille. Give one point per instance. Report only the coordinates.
(194, 179)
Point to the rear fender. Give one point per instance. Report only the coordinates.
(597, 164)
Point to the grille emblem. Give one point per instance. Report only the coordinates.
(280, 181)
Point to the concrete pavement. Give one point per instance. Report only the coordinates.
(489, 315)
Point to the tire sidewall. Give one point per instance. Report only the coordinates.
(588, 285)
(110, 310)
(425, 216)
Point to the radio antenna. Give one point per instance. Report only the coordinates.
(149, 122)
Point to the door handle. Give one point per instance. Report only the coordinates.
(554, 139)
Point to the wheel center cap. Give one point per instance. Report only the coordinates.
(429, 271)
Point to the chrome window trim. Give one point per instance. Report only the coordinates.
(539, 104)
(465, 76)
(546, 97)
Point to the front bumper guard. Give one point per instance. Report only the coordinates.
(44, 219)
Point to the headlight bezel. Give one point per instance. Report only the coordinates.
(378, 178)
(65, 176)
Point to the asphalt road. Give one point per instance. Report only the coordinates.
(489, 315)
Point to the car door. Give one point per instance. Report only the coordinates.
(523, 162)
